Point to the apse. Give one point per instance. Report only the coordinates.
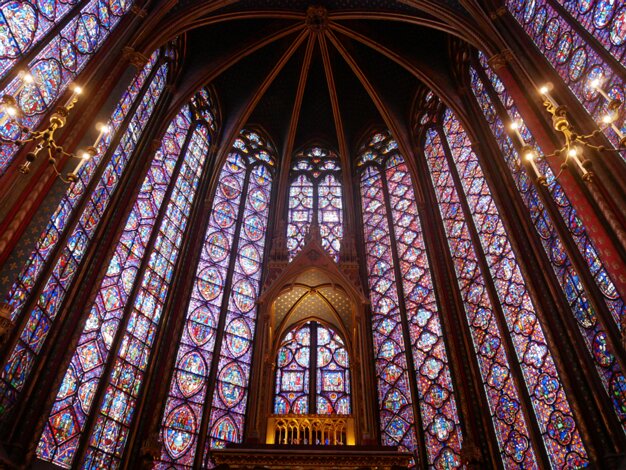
(347, 234)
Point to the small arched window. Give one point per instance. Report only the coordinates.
(316, 383)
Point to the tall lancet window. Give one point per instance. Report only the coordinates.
(312, 372)
(499, 110)
(315, 193)
(502, 319)
(560, 30)
(106, 372)
(37, 295)
(63, 54)
(406, 327)
(209, 385)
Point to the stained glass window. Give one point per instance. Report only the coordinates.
(61, 261)
(592, 330)
(404, 310)
(58, 63)
(316, 383)
(179, 160)
(575, 60)
(24, 24)
(466, 206)
(315, 191)
(221, 314)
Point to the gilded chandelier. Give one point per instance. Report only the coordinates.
(44, 140)
(575, 143)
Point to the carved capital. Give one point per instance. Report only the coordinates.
(137, 59)
(500, 60)
(498, 13)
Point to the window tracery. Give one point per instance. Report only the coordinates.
(221, 315)
(59, 251)
(312, 368)
(466, 206)
(406, 328)
(315, 193)
(591, 327)
(575, 59)
(115, 340)
(58, 63)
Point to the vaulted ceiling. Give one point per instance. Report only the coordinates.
(325, 73)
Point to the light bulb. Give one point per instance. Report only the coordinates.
(28, 78)
(11, 111)
(530, 156)
(103, 128)
(514, 125)
(595, 83)
(78, 90)
(572, 153)
(544, 90)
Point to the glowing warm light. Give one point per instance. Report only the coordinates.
(514, 125)
(77, 90)
(607, 119)
(544, 90)
(595, 83)
(572, 153)
(11, 111)
(530, 156)
(28, 78)
(85, 156)
(103, 128)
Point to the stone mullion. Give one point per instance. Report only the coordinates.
(83, 291)
(606, 200)
(590, 39)
(219, 332)
(408, 344)
(125, 317)
(546, 294)
(369, 362)
(256, 410)
(157, 386)
(145, 398)
(53, 259)
(312, 368)
(469, 387)
(604, 234)
(514, 366)
(569, 326)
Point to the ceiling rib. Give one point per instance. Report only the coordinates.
(417, 72)
(344, 151)
(293, 123)
(181, 23)
(384, 112)
(231, 134)
(223, 65)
